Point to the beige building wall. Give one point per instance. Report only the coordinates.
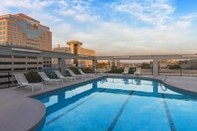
(23, 31)
(75, 48)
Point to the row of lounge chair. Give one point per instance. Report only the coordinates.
(136, 73)
(22, 81)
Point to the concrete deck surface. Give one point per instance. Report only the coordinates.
(18, 112)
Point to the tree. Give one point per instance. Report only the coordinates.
(145, 65)
(102, 65)
(174, 67)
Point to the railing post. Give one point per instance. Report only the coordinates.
(8, 79)
(180, 71)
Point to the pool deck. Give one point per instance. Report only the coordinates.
(19, 112)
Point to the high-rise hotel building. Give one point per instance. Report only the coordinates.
(22, 31)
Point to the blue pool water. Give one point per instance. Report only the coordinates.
(119, 104)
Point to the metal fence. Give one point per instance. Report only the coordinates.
(178, 72)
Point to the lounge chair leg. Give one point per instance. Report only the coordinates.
(32, 88)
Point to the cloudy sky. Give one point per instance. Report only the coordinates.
(116, 27)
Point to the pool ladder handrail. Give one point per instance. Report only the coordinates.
(164, 78)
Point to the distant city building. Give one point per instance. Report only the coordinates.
(193, 63)
(75, 48)
(112, 63)
(68, 62)
(166, 63)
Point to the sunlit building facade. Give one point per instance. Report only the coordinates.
(22, 31)
(75, 48)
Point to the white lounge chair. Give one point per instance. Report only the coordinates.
(90, 74)
(22, 81)
(103, 70)
(63, 77)
(74, 75)
(126, 71)
(47, 79)
(138, 72)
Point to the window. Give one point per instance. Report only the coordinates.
(19, 56)
(5, 63)
(19, 69)
(31, 62)
(18, 63)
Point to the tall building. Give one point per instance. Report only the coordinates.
(75, 48)
(22, 31)
(68, 62)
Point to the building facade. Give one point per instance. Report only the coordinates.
(113, 63)
(22, 31)
(75, 48)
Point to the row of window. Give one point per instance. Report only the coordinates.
(2, 23)
(10, 28)
(2, 37)
(12, 24)
(2, 28)
(11, 38)
(22, 69)
(14, 34)
(2, 33)
(19, 63)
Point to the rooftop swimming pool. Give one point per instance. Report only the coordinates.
(119, 104)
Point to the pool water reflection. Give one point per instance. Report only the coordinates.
(119, 104)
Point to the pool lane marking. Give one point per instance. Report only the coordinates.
(54, 119)
(168, 114)
(120, 111)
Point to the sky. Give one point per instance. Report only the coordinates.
(116, 27)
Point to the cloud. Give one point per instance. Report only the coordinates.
(115, 27)
(155, 12)
(3, 10)
(57, 20)
(115, 38)
(68, 12)
(35, 4)
(183, 24)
